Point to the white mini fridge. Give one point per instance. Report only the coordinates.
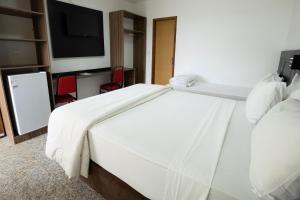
(30, 101)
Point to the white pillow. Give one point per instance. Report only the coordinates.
(262, 98)
(275, 153)
(186, 80)
(295, 85)
(296, 95)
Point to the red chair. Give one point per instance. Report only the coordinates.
(65, 86)
(116, 81)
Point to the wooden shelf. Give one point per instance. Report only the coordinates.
(129, 31)
(36, 15)
(19, 12)
(22, 39)
(13, 67)
(117, 40)
(130, 15)
(82, 72)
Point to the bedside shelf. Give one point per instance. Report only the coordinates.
(13, 67)
(22, 39)
(19, 12)
(129, 31)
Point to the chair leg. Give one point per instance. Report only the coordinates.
(2, 135)
(101, 91)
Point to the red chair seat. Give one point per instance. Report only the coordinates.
(116, 81)
(66, 98)
(110, 86)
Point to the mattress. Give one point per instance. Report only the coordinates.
(132, 152)
(212, 89)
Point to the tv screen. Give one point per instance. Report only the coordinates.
(75, 31)
(83, 25)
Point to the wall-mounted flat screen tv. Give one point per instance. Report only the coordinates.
(75, 31)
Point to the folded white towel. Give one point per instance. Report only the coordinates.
(186, 80)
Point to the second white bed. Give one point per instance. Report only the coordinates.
(218, 90)
(137, 148)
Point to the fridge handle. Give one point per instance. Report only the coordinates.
(14, 84)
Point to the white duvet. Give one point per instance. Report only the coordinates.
(190, 170)
(67, 141)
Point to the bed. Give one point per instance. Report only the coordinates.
(217, 90)
(131, 145)
(149, 146)
(106, 140)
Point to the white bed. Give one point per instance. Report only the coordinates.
(218, 90)
(155, 138)
(132, 152)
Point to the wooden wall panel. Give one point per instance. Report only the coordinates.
(5, 112)
(116, 39)
(139, 50)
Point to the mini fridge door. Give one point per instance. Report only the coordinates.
(30, 100)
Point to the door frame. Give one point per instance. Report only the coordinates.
(154, 46)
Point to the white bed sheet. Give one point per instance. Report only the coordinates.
(218, 90)
(122, 156)
(231, 180)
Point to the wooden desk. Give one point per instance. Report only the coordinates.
(83, 73)
(129, 74)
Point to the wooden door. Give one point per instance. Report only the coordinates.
(164, 42)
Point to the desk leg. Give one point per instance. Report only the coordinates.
(129, 78)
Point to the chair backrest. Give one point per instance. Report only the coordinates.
(66, 85)
(117, 75)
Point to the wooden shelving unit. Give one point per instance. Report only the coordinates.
(129, 31)
(36, 14)
(23, 39)
(19, 12)
(117, 32)
(16, 67)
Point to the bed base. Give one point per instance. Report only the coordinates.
(110, 186)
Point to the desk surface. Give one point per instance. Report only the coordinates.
(88, 72)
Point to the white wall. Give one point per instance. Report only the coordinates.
(293, 40)
(233, 42)
(128, 44)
